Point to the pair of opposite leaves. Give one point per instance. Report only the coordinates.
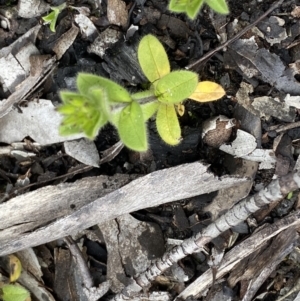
(192, 7)
(91, 109)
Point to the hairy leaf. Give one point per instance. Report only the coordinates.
(92, 126)
(15, 268)
(167, 124)
(13, 292)
(100, 100)
(115, 117)
(190, 7)
(89, 126)
(219, 6)
(153, 58)
(68, 130)
(178, 5)
(74, 98)
(148, 102)
(149, 109)
(83, 114)
(176, 86)
(115, 92)
(143, 96)
(193, 7)
(207, 91)
(132, 128)
(73, 104)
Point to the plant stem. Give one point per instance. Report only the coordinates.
(141, 97)
(144, 97)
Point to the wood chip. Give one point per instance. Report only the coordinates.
(163, 186)
(65, 41)
(117, 13)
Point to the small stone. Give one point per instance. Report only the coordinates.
(296, 12)
(4, 24)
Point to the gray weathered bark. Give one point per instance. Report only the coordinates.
(154, 189)
(241, 251)
(275, 191)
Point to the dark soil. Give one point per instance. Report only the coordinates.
(185, 42)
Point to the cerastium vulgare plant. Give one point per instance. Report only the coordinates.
(100, 100)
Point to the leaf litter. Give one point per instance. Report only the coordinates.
(261, 76)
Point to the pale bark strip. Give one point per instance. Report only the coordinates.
(154, 189)
(275, 191)
(42, 66)
(241, 251)
(282, 246)
(87, 278)
(37, 208)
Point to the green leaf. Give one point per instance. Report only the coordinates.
(149, 109)
(73, 104)
(68, 130)
(115, 92)
(143, 96)
(12, 292)
(178, 6)
(100, 99)
(153, 58)
(219, 6)
(72, 97)
(83, 114)
(167, 124)
(67, 109)
(53, 22)
(176, 86)
(148, 102)
(52, 17)
(132, 128)
(115, 117)
(92, 126)
(190, 7)
(193, 7)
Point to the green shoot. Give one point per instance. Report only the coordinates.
(192, 7)
(52, 17)
(100, 100)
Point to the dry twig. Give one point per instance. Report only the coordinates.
(237, 36)
(275, 191)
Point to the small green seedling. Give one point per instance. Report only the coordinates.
(14, 291)
(52, 17)
(100, 100)
(192, 7)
